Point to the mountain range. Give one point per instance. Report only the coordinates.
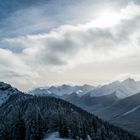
(117, 102)
(62, 90)
(122, 89)
(28, 117)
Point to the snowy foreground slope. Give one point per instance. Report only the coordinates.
(54, 136)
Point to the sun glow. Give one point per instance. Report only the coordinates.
(106, 19)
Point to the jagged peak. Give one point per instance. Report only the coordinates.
(8, 88)
(129, 80)
(4, 86)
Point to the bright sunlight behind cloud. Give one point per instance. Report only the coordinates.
(42, 49)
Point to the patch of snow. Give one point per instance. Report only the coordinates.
(132, 110)
(54, 136)
(49, 92)
(79, 91)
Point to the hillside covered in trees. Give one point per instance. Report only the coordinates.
(26, 117)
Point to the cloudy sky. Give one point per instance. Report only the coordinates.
(46, 42)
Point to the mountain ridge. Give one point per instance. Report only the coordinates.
(123, 89)
(6, 90)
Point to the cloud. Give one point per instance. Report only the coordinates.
(67, 44)
(32, 57)
(13, 68)
(42, 16)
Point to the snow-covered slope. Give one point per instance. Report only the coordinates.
(131, 110)
(54, 136)
(62, 90)
(6, 91)
(122, 89)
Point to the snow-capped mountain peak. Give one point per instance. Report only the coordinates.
(62, 90)
(129, 82)
(122, 89)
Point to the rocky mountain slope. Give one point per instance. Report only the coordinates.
(6, 91)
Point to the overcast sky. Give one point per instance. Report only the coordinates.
(46, 42)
